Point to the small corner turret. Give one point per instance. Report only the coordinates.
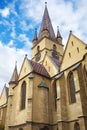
(59, 37)
(14, 78)
(35, 37)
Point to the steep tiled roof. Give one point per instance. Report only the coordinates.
(46, 24)
(58, 33)
(39, 68)
(56, 61)
(14, 77)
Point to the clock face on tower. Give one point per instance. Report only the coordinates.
(38, 56)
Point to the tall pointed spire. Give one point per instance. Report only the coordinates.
(58, 33)
(59, 37)
(35, 37)
(14, 77)
(46, 24)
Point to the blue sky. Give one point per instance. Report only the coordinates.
(18, 20)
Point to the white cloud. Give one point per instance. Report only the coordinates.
(5, 12)
(25, 27)
(8, 56)
(11, 43)
(69, 15)
(23, 38)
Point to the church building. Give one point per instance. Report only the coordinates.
(50, 91)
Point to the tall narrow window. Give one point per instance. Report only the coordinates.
(76, 126)
(38, 55)
(77, 49)
(72, 88)
(23, 95)
(72, 43)
(55, 95)
(54, 52)
(69, 54)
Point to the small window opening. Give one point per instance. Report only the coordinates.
(69, 54)
(77, 49)
(72, 43)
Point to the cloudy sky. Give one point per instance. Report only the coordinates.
(18, 20)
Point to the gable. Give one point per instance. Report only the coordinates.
(25, 69)
(74, 52)
(3, 97)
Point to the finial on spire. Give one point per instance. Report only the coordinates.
(45, 4)
(70, 31)
(35, 31)
(57, 28)
(25, 55)
(15, 63)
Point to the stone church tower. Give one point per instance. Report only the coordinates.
(50, 92)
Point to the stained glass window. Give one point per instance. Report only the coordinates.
(72, 88)
(23, 95)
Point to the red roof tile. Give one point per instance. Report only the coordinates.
(39, 68)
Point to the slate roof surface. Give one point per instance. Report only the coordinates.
(14, 77)
(39, 68)
(46, 24)
(56, 61)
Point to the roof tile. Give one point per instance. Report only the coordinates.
(39, 68)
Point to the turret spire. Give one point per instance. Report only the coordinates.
(14, 77)
(59, 37)
(46, 25)
(35, 37)
(58, 33)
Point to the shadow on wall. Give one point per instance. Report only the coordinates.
(2, 127)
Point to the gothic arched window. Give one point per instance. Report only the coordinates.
(71, 88)
(76, 126)
(55, 95)
(23, 95)
(54, 47)
(54, 52)
(38, 55)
